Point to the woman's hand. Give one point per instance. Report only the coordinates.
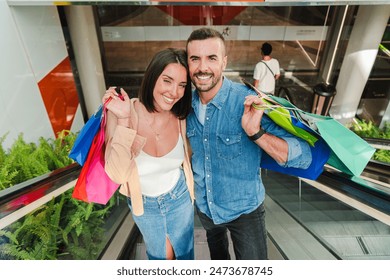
(118, 104)
(111, 93)
(251, 118)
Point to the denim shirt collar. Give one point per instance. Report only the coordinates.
(218, 100)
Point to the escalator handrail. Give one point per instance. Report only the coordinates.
(362, 190)
(18, 200)
(30, 185)
(378, 143)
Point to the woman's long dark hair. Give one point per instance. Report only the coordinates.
(156, 66)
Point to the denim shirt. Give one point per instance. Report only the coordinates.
(226, 164)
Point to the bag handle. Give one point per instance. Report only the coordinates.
(104, 113)
(103, 122)
(259, 93)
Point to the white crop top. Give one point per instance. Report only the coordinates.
(159, 175)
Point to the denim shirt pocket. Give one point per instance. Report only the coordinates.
(229, 146)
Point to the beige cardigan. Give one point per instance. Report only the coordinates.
(122, 146)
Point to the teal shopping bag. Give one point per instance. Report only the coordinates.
(350, 153)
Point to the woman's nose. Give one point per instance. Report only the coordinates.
(175, 90)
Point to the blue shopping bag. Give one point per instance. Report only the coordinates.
(320, 153)
(84, 140)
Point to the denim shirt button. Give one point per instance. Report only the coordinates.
(227, 139)
(205, 139)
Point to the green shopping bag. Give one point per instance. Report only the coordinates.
(287, 118)
(283, 117)
(349, 152)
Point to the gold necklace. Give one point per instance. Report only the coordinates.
(157, 134)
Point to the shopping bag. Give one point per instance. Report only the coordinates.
(283, 113)
(320, 153)
(93, 184)
(84, 139)
(285, 117)
(350, 153)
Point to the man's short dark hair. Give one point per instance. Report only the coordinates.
(266, 49)
(203, 34)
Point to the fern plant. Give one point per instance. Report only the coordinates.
(64, 228)
(2, 151)
(369, 130)
(83, 228)
(25, 161)
(34, 238)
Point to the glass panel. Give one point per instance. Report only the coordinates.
(347, 232)
(376, 95)
(132, 34)
(63, 229)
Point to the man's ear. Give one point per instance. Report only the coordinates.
(224, 62)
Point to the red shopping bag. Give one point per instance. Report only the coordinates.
(93, 184)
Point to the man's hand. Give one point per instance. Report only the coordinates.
(252, 115)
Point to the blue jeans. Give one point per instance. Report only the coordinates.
(248, 234)
(170, 215)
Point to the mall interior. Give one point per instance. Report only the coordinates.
(60, 57)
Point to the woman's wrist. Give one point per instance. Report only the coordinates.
(124, 122)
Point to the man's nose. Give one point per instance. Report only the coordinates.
(203, 65)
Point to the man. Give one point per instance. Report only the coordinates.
(267, 71)
(227, 141)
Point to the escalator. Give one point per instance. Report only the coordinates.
(348, 217)
(334, 217)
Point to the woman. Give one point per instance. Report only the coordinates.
(147, 152)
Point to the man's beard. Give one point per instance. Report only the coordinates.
(207, 87)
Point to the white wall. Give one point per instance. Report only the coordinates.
(31, 45)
